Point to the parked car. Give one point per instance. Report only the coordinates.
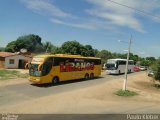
(136, 69)
(150, 72)
(142, 68)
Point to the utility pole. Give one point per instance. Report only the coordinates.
(126, 69)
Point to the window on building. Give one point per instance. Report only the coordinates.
(11, 61)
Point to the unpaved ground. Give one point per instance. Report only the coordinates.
(97, 99)
(15, 80)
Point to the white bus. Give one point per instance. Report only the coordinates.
(117, 66)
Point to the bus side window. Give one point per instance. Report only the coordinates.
(131, 62)
(53, 62)
(57, 61)
(118, 63)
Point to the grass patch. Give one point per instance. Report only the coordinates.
(23, 75)
(10, 74)
(125, 93)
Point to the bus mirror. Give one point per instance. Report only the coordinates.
(28, 65)
(116, 65)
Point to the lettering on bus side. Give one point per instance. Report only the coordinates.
(76, 66)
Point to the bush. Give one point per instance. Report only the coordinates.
(157, 70)
(10, 74)
(126, 93)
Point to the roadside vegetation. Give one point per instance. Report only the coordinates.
(34, 44)
(156, 69)
(126, 93)
(11, 74)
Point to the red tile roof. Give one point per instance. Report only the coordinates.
(6, 54)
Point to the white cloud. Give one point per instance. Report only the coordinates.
(120, 15)
(45, 7)
(78, 25)
(88, 24)
(102, 14)
(119, 19)
(142, 53)
(56, 15)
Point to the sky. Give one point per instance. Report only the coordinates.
(100, 23)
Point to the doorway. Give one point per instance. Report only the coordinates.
(21, 64)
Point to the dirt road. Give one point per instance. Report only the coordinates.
(93, 96)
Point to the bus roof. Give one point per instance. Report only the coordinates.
(119, 59)
(65, 56)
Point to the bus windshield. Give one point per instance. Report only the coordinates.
(33, 70)
(111, 66)
(47, 66)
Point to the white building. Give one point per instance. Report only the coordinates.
(12, 60)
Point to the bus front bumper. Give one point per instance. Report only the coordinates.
(111, 72)
(36, 80)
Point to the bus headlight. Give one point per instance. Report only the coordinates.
(37, 79)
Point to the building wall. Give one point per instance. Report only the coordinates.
(28, 59)
(16, 59)
(2, 60)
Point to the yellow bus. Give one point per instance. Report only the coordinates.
(61, 67)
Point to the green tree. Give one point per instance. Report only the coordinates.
(119, 55)
(30, 42)
(49, 47)
(2, 49)
(151, 60)
(156, 68)
(57, 50)
(72, 47)
(39, 49)
(96, 52)
(134, 57)
(144, 62)
(87, 50)
(104, 55)
(11, 46)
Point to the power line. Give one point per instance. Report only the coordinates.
(140, 11)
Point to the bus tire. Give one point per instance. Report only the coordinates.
(119, 72)
(55, 80)
(92, 76)
(86, 77)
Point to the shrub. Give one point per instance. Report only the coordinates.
(126, 93)
(157, 71)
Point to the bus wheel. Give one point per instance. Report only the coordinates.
(92, 76)
(86, 77)
(130, 71)
(55, 80)
(119, 72)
